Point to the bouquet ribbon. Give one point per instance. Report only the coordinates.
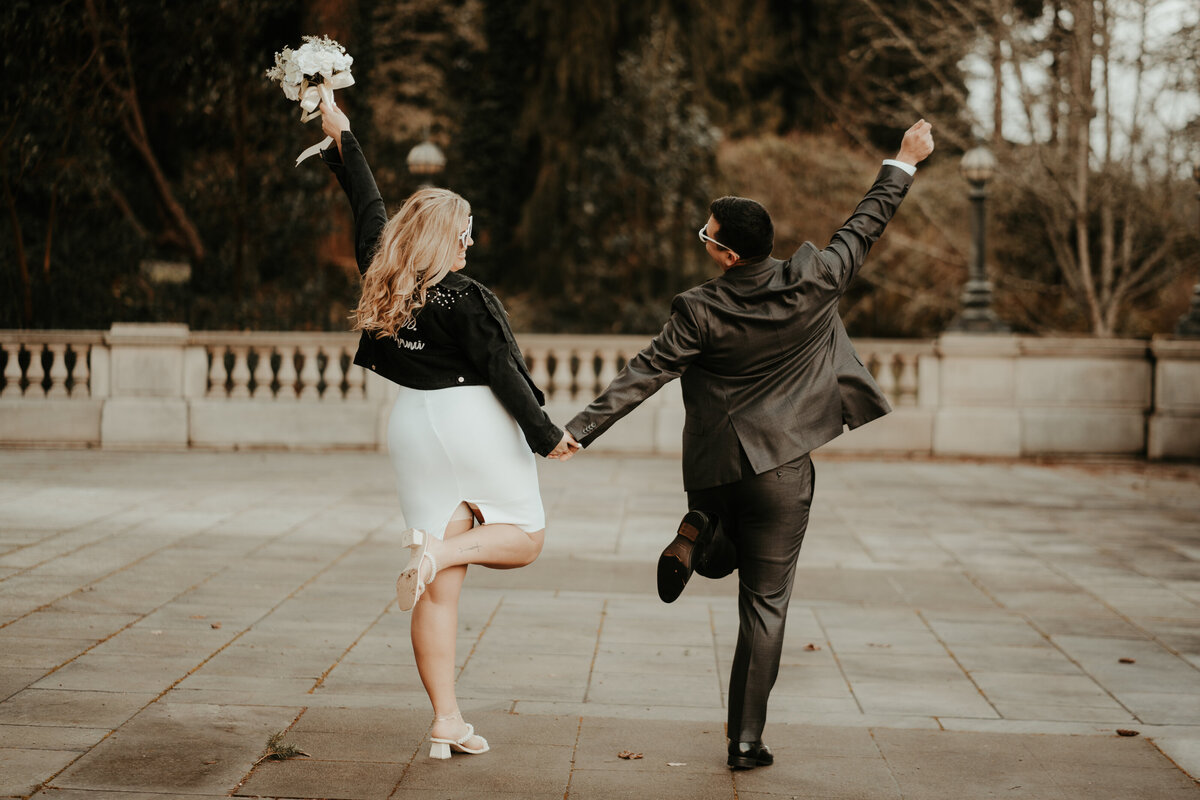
(311, 97)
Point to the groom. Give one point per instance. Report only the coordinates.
(768, 375)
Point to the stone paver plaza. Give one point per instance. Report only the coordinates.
(958, 630)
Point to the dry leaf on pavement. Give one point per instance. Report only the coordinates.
(628, 754)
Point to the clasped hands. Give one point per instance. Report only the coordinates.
(565, 448)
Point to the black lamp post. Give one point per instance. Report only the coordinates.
(1189, 323)
(425, 161)
(977, 316)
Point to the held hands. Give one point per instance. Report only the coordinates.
(566, 448)
(917, 144)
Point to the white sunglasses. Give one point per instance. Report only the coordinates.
(704, 237)
(465, 236)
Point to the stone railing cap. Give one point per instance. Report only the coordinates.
(1083, 347)
(1175, 348)
(147, 333)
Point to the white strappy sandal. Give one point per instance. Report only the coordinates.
(440, 748)
(409, 586)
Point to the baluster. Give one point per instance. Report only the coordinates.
(35, 373)
(263, 374)
(908, 379)
(287, 373)
(356, 378)
(571, 369)
(607, 371)
(12, 371)
(81, 374)
(540, 370)
(886, 376)
(216, 372)
(325, 385)
(334, 374)
(310, 373)
(240, 374)
(58, 370)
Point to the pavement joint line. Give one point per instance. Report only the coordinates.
(108, 575)
(408, 764)
(193, 587)
(921, 614)
(254, 766)
(214, 654)
(721, 690)
(1033, 624)
(587, 688)
(883, 757)
(834, 655)
(574, 753)
(475, 645)
(51, 538)
(1148, 634)
(337, 661)
(154, 552)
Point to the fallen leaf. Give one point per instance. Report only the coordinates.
(210, 762)
(216, 625)
(1127, 732)
(676, 763)
(1127, 660)
(810, 647)
(628, 754)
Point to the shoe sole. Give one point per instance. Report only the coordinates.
(673, 573)
(765, 758)
(416, 542)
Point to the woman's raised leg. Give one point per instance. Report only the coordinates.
(496, 545)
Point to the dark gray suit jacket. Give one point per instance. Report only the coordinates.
(766, 366)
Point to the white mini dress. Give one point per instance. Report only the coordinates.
(455, 445)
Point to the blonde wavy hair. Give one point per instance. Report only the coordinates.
(416, 249)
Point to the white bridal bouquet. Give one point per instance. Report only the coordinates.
(310, 74)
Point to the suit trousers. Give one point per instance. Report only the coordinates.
(765, 517)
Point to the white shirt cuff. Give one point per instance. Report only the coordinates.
(909, 168)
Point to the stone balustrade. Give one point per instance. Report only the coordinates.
(281, 366)
(158, 386)
(47, 364)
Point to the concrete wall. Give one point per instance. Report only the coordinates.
(163, 386)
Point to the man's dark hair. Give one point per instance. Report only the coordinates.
(745, 226)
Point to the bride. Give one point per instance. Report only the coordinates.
(466, 422)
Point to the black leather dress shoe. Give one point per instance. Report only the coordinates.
(677, 561)
(748, 755)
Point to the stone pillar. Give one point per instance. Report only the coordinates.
(146, 406)
(977, 396)
(1174, 430)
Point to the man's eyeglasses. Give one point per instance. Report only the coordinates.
(704, 237)
(465, 236)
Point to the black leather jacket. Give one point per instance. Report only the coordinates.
(461, 336)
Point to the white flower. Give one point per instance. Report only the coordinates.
(317, 60)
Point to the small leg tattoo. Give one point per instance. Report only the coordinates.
(468, 549)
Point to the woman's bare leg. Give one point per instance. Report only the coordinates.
(434, 633)
(498, 545)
